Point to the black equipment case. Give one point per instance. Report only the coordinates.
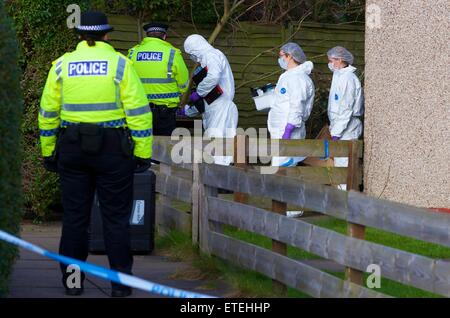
(142, 221)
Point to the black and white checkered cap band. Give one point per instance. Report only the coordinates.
(156, 29)
(100, 27)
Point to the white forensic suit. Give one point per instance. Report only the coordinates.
(293, 102)
(345, 105)
(220, 118)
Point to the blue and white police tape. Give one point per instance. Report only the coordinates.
(102, 272)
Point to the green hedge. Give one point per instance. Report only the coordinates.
(43, 36)
(10, 139)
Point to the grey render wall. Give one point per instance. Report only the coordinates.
(407, 120)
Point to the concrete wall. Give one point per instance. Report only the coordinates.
(407, 121)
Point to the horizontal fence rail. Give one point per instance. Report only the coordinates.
(253, 147)
(286, 270)
(310, 196)
(172, 218)
(302, 147)
(174, 187)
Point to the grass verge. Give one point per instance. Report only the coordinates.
(244, 283)
(389, 239)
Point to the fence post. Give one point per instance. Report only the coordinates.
(277, 246)
(204, 223)
(195, 200)
(354, 230)
(164, 200)
(240, 160)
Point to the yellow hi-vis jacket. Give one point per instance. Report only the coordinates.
(95, 85)
(162, 71)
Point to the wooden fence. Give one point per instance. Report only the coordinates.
(197, 184)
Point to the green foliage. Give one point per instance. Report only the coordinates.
(323, 11)
(41, 187)
(265, 11)
(161, 10)
(202, 12)
(10, 153)
(44, 36)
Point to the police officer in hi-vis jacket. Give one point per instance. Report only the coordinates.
(164, 75)
(96, 131)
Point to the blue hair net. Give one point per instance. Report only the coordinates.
(340, 52)
(295, 51)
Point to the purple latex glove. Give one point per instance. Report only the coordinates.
(181, 112)
(335, 138)
(195, 97)
(288, 131)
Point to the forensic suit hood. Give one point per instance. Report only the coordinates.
(221, 116)
(197, 46)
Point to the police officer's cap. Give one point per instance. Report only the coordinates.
(156, 27)
(93, 22)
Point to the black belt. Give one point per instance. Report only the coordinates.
(154, 106)
(93, 139)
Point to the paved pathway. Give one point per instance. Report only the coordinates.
(39, 277)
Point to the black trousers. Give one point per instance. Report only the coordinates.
(110, 173)
(164, 120)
